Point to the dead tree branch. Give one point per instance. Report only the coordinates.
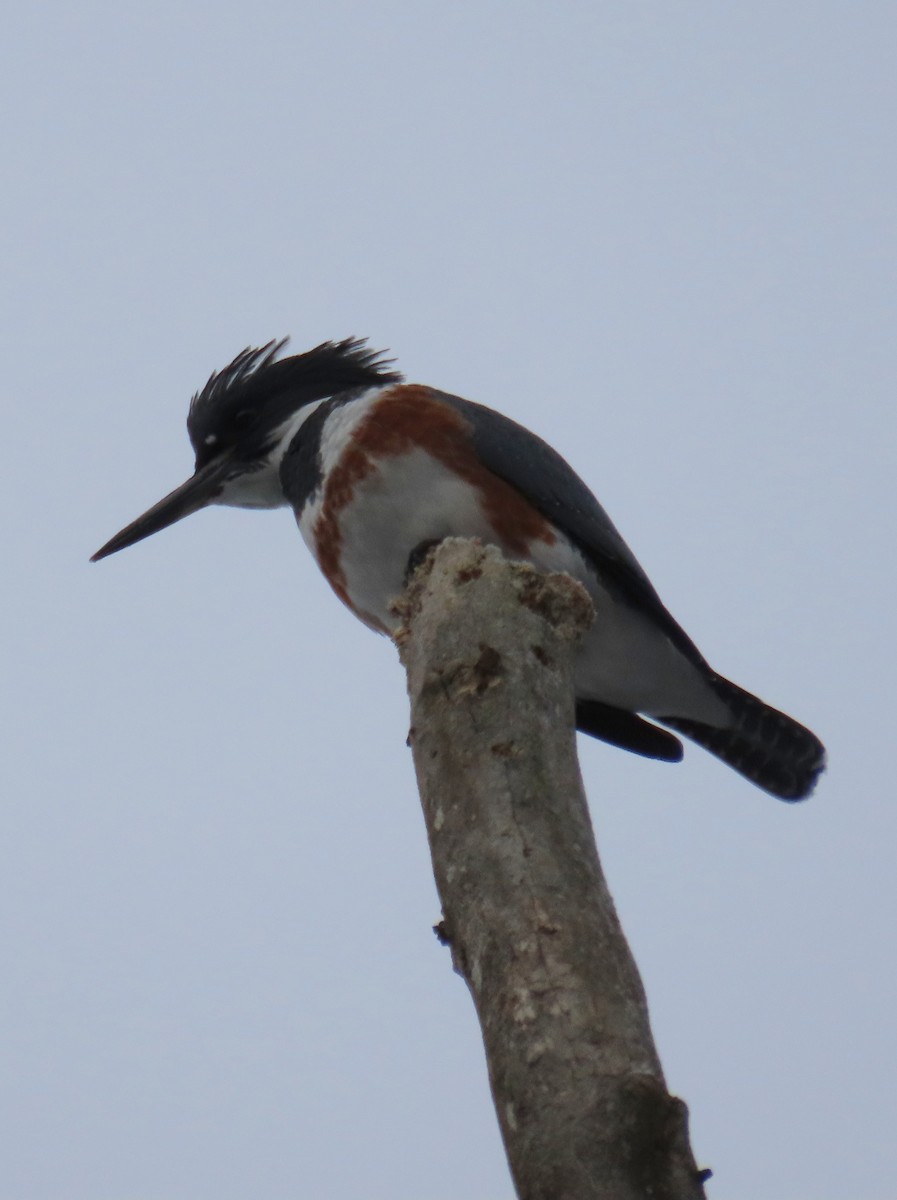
(575, 1077)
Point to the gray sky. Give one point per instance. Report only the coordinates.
(661, 235)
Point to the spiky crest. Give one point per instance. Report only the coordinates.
(255, 392)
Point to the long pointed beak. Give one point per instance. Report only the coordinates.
(198, 491)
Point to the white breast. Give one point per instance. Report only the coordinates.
(404, 502)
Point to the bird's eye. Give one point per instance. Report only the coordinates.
(245, 418)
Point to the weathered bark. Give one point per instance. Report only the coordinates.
(576, 1080)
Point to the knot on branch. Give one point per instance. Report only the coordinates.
(475, 678)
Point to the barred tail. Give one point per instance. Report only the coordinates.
(764, 745)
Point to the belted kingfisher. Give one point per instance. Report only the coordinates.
(376, 469)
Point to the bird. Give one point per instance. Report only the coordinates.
(377, 469)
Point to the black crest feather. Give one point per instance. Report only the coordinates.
(258, 382)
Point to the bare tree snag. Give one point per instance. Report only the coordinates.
(577, 1084)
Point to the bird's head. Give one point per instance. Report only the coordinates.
(243, 421)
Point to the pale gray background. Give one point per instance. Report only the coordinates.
(662, 235)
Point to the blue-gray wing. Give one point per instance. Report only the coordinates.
(539, 473)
